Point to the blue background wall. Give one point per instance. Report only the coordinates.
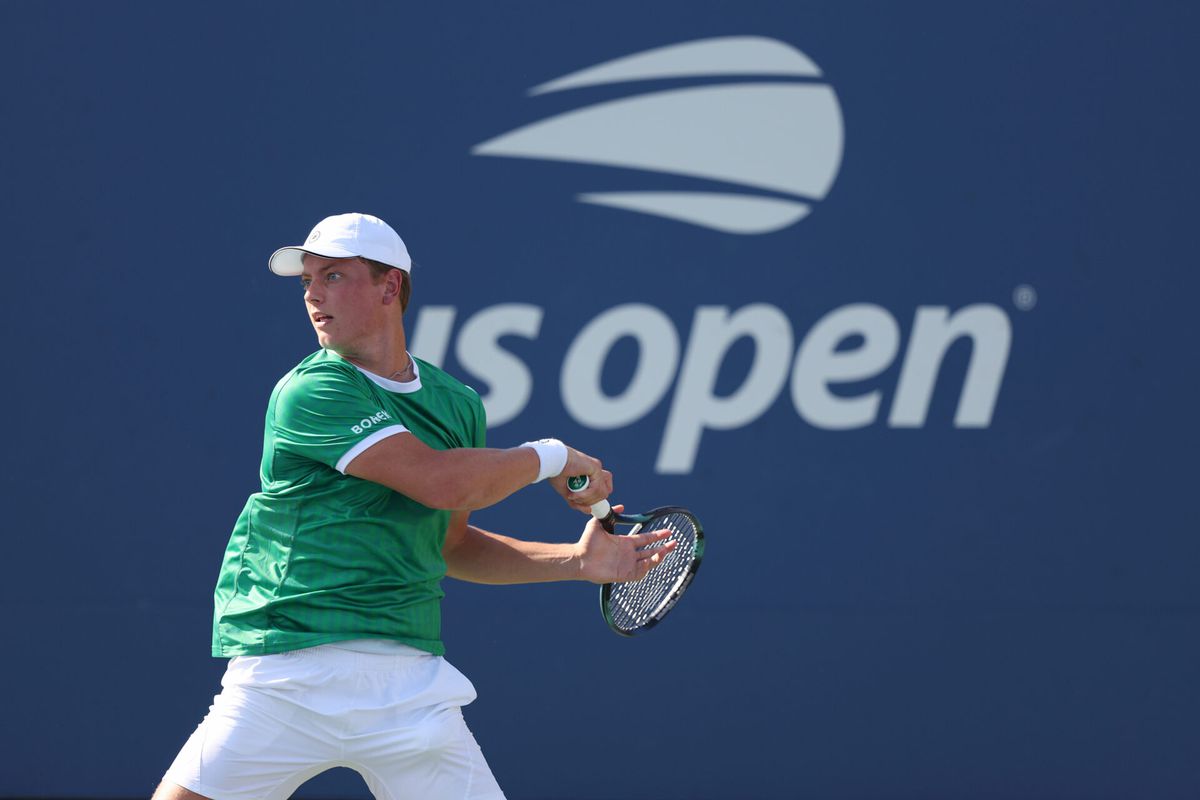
(928, 612)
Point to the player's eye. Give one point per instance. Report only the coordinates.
(304, 282)
(333, 276)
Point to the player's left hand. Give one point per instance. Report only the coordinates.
(607, 558)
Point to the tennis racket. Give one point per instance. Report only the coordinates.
(636, 606)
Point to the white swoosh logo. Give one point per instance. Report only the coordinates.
(779, 137)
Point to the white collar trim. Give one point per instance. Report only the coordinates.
(403, 387)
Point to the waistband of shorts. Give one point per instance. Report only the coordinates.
(376, 647)
(353, 654)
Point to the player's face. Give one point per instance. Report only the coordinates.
(344, 303)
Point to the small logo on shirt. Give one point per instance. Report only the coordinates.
(370, 422)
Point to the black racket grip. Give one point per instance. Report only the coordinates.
(602, 510)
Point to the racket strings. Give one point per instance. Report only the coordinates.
(634, 603)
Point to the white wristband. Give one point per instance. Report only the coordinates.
(553, 457)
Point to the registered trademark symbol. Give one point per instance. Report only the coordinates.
(1025, 297)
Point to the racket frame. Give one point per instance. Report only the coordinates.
(681, 583)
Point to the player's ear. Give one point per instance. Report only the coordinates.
(391, 287)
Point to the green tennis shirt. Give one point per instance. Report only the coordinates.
(320, 556)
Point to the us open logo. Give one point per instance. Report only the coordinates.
(752, 132)
(764, 135)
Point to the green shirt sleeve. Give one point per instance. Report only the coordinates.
(480, 423)
(329, 416)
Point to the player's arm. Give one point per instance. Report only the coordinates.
(479, 556)
(471, 477)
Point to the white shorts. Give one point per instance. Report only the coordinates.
(392, 716)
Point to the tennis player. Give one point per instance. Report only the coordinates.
(328, 599)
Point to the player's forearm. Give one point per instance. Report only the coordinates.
(459, 479)
(464, 479)
(470, 478)
(482, 557)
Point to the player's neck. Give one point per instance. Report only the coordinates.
(386, 357)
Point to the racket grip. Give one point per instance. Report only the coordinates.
(601, 510)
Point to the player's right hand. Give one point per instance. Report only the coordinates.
(600, 482)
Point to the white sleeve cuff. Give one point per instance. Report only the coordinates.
(552, 457)
(358, 449)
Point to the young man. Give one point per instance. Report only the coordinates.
(328, 599)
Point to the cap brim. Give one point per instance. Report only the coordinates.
(289, 261)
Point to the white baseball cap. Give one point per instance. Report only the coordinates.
(345, 236)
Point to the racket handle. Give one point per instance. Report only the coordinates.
(601, 510)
